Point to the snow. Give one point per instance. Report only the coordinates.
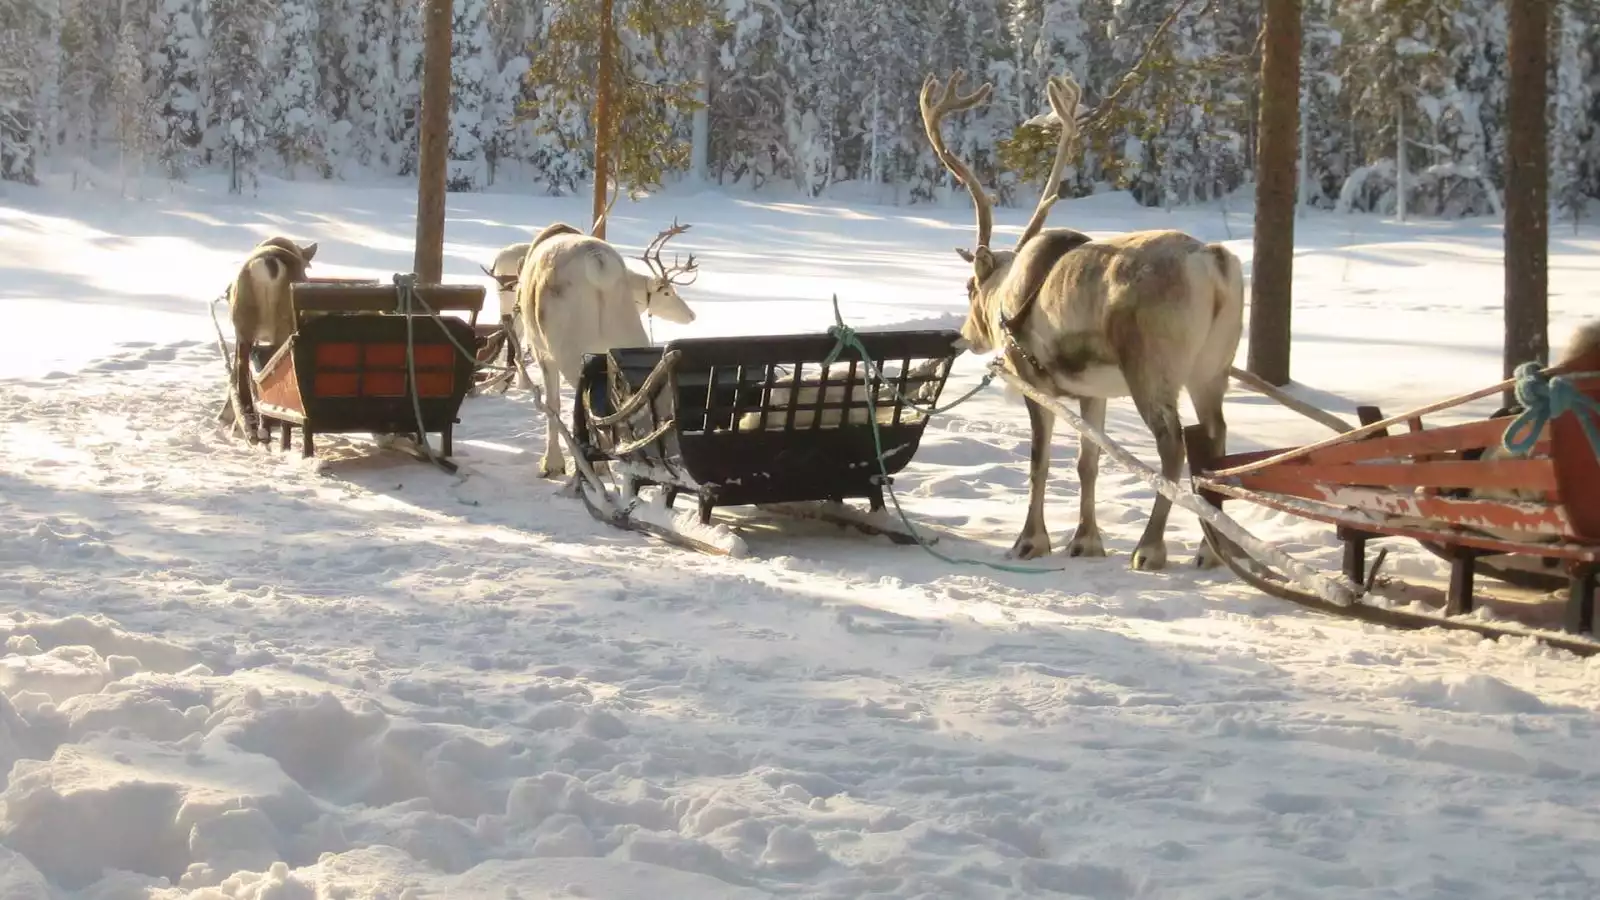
(226, 672)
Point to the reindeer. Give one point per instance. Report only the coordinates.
(576, 295)
(258, 300)
(505, 270)
(1144, 315)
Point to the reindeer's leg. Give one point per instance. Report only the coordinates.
(1086, 541)
(1207, 399)
(553, 464)
(243, 400)
(1159, 409)
(1034, 541)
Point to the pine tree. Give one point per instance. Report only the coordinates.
(473, 73)
(131, 103)
(175, 80)
(88, 42)
(295, 123)
(20, 23)
(236, 73)
(1570, 128)
(648, 86)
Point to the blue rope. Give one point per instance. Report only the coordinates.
(1545, 399)
(845, 336)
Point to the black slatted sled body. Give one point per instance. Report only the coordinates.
(762, 420)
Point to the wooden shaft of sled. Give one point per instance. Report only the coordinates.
(1333, 590)
(313, 297)
(1288, 400)
(585, 471)
(338, 279)
(1356, 434)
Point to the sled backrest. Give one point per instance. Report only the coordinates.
(782, 382)
(313, 298)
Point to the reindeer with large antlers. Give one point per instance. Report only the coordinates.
(576, 295)
(1144, 315)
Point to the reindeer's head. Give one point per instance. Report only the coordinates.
(661, 290)
(989, 266)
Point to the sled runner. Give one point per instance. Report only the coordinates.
(775, 421)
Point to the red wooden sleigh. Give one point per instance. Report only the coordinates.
(1531, 521)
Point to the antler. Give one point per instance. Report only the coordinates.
(1064, 95)
(932, 115)
(652, 257)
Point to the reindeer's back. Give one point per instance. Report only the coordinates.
(575, 261)
(1583, 350)
(260, 299)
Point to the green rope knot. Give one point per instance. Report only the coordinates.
(1543, 399)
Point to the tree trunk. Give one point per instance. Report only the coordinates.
(1271, 296)
(1527, 187)
(433, 142)
(700, 127)
(602, 119)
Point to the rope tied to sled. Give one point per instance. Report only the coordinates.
(406, 286)
(1544, 399)
(846, 338)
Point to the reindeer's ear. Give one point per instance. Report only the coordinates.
(308, 250)
(965, 254)
(983, 264)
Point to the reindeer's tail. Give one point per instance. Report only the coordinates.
(602, 266)
(1226, 327)
(1228, 282)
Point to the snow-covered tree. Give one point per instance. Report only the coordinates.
(473, 73)
(236, 73)
(1570, 127)
(21, 22)
(175, 71)
(295, 122)
(133, 110)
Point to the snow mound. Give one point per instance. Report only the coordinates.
(1471, 693)
(150, 809)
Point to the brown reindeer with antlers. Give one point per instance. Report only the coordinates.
(575, 295)
(1143, 315)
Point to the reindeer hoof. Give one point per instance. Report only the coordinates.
(1030, 548)
(1151, 558)
(552, 469)
(1086, 545)
(1206, 558)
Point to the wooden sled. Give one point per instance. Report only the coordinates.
(347, 369)
(1530, 522)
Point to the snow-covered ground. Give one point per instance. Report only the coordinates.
(230, 673)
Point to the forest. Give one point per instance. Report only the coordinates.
(808, 96)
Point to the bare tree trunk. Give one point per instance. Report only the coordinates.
(602, 118)
(1527, 215)
(1271, 291)
(433, 142)
(700, 122)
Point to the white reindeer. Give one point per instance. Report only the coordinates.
(258, 301)
(576, 295)
(507, 268)
(1145, 314)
